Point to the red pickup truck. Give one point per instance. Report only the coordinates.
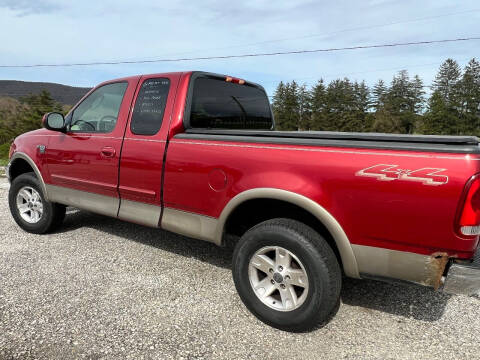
(197, 154)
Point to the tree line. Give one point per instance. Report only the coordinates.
(452, 107)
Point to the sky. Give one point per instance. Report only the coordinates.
(63, 31)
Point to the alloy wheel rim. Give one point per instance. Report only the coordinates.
(29, 205)
(278, 278)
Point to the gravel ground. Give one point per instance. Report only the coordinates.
(101, 288)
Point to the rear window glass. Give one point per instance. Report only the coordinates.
(219, 104)
(149, 107)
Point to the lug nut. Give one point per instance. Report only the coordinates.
(272, 281)
(270, 270)
(282, 286)
(280, 268)
(287, 277)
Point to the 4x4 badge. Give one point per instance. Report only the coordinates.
(385, 172)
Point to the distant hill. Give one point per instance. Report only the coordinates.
(64, 94)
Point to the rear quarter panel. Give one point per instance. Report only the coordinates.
(394, 214)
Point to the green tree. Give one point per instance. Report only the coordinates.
(286, 106)
(17, 117)
(278, 104)
(417, 97)
(470, 87)
(444, 115)
(379, 92)
(304, 97)
(398, 107)
(318, 116)
(446, 82)
(360, 120)
(441, 118)
(35, 107)
(339, 101)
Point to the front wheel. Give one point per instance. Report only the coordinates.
(29, 208)
(287, 275)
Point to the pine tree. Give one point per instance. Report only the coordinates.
(444, 106)
(278, 104)
(359, 115)
(379, 92)
(304, 108)
(470, 87)
(35, 106)
(339, 101)
(292, 105)
(446, 82)
(362, 97)
(318, 93)
(469, 98)
(400, 92)
(417, 95)
(441, 118)
(396, 112)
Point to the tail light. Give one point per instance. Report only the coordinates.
(469, 217)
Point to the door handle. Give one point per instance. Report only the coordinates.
(108, 151)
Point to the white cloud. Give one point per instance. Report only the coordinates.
(26, 7)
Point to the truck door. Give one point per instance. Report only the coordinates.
(144, 145)
(82, 163)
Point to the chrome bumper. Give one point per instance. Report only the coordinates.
(464, 278)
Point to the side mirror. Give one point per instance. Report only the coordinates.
(54, 121)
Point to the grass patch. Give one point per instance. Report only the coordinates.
(3, 162)
(4, 148)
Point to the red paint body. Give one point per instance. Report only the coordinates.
(399, 215)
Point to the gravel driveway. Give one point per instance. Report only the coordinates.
(102, 288)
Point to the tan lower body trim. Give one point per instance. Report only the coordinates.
(140, 213)
(189, 224)
(101, 204)
(371, 261)
(401, 265)
(137, 212)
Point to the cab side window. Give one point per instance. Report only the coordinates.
(98, 113)
(149, 107)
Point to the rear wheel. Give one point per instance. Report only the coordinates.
(29, 208)
(287, 275)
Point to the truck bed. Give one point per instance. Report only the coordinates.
(430, 143)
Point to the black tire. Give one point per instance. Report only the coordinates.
(318, 259)
(53, 213)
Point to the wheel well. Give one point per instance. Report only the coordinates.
(255, 211)
(19, 167)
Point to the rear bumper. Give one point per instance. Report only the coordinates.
(464, 278)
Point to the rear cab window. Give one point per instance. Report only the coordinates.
(224, 103)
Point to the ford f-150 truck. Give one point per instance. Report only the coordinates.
(197, 154)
